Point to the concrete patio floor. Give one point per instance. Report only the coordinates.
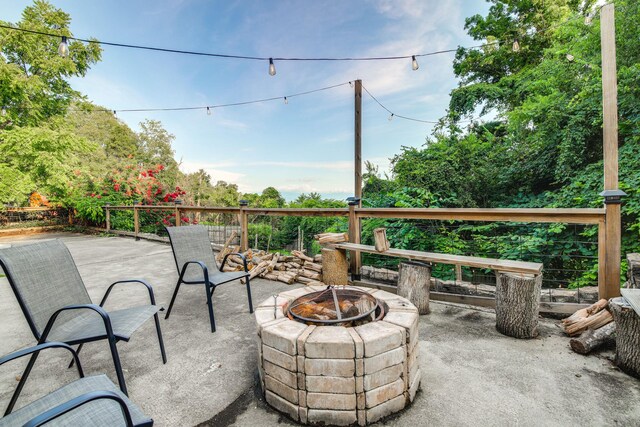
(471, 374)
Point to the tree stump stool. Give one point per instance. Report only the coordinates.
(414, 279)
(335, 267)
(517, 304)
(627, 336)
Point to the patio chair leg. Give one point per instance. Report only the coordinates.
(249, 296)
(173, 298)
(210, 307)
(23, 379)
(116, 362)
(157, 320)
(74, 360)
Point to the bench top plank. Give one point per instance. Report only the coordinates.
(494, 264)
(633, 298)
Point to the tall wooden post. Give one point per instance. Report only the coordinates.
(136, 222)
(611, 286)
(355, 260)
(358, 140)
(107, 218)
(244, 226)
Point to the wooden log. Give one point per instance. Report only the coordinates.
(591, 339)
(317, 259)
(270, 276)
(335, 268)
(414, 279)
(325, 238)
(273, 262)
(302, 256)
(585, 312)
(303, 279)
(627, 336)
(312, 266)
(310, 274)
(285, 279)
(596, 321)
(258, 269)
(380, 239)
(225, 249)
(517, 304)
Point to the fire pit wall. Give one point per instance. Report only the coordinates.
(337, 375)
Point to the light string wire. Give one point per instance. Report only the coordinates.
(263, 58)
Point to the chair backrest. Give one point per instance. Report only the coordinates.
(191, 243)
(44, 278)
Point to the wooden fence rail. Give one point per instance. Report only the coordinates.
(606, 286)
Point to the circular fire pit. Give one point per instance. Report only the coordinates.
(338, 356)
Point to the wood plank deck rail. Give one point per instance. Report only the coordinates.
(494, 264)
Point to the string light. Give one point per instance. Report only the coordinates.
(272, 67)
(4, 111)
(350, 84)
(516, 46)
(414, 63)
(286, 101)
(115, 114)
(63, 47)
(208, 111)
(391, 116)
(588, 20)
(570, 57)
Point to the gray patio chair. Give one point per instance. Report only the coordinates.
(196, 265)
(57, 307)
(88, 401)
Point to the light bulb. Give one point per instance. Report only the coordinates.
(588, 20)
(114, 113)
(63, 47)
(516, 46)
(4, 111)
(414, 63)
(351, 84)
(391, 117)
(286, 101)
(570, 57)
(272, 67)
(208, 111)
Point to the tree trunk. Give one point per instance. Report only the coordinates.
(414, 279)
(627, 336)
(335, 268)
(594, 338)
(517, 304)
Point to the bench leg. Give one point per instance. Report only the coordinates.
(517, 304)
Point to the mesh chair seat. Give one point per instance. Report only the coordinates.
(97, 413)
(218, 278)
(87, 324)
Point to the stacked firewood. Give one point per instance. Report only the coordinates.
(289, 269)
(594, 325)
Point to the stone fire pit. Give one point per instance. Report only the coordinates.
(334, 374)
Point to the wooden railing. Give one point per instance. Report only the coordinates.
(606, 286)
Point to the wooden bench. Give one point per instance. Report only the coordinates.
(518, 284)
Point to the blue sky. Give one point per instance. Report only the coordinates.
(306, 145)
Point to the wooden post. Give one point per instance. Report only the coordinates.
(354, 237)
(108, 218)
(136, 222)
(458, 273)
(611, 285)
(244, 229)
(602, 259)
(414, 279)
(358, 139)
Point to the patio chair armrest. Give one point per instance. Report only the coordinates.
(244, 260)
(76, 402)
(148, 286)
(37, 348)
(202, 265)
(94, 307)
